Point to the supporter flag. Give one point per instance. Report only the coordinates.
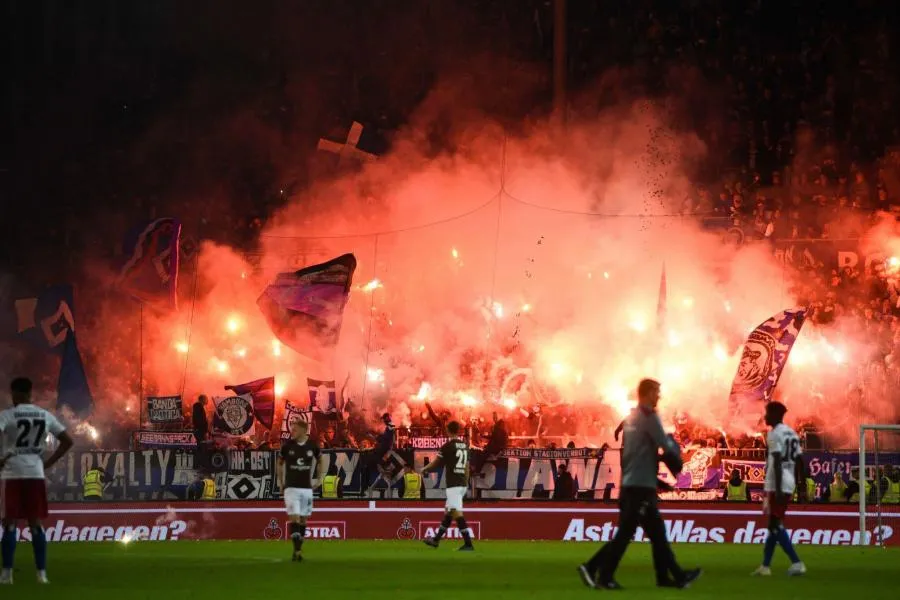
(763, 358)
(322, 396)
(305, 308)
(150, 272)
(48, 321)
(262, 393)
(292, 413)
(233, 415)
(661, 301)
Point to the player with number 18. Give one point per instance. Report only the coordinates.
(784, 468)
(454, 455)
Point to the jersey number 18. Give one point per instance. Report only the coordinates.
(791, 449)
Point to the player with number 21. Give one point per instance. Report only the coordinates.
(454, 455)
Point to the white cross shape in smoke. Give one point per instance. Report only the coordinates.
(347, 149)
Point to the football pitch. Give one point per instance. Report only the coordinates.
(395, 570)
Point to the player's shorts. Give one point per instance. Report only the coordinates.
(23, 499)
(455, 497)
(298, 501)
(778, 508)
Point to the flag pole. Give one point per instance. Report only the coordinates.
(369, 335)
(141, 373)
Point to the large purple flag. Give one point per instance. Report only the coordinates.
(763, 359)
(305, 308)
(150, 272)
(262, 391)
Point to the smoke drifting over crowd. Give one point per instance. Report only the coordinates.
(529, 252)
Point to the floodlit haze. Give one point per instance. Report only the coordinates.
(506, 253)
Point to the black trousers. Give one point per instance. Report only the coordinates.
(637, 506)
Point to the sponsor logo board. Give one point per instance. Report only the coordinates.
(429, 529)
(699, 523)
(321, 530)
(692, 531)
(66, 531)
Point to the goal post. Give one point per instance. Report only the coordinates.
(876, 450)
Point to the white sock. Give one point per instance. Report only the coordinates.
(7, 572)
(42, 573)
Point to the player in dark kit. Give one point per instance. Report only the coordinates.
(454, 455)
(298, 461)
(643, 439)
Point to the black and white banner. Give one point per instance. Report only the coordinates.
(161, 439)
(164, 409)
(250, 476)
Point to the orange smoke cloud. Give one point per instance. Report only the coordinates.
(460, 280)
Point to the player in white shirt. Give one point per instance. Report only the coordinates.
(784, 467)
(23, 488)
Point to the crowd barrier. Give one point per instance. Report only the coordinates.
(165, 474)
(500, 520)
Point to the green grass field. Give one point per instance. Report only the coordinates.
(405, 570)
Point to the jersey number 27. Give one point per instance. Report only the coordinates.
(31, 432)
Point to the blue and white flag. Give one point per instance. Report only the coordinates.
(150, 271)
(763, 358)
(305, 308)
(48, 321)
(322, 396)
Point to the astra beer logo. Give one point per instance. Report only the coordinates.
(429, 529)
(322, 530)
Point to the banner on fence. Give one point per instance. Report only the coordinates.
(153, 474)
(164, 409)
(183, 440)
(250, 474)
(833, 254)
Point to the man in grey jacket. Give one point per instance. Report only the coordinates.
(643, 440)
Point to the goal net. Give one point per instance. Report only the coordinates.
(877, 479)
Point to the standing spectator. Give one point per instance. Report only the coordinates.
(94, 483)
(564, 489)
(497, 443)
(735, 488)
(380, 458)
(199, 421)
(837, 491)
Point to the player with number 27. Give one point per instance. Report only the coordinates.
(23, 487)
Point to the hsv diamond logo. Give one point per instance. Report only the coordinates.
(323, 530)
(429, 529)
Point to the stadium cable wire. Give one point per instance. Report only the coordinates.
(386, 232)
